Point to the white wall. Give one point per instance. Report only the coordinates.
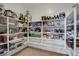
(16, 7)
(38, 10)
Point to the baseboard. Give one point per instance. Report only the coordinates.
(47, 48)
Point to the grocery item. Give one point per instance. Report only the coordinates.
(10, 13)
(21, 17)
(70, 42)
(28, 16)
(1, 9)
(62, 15)
(1, 50)
(3, 38)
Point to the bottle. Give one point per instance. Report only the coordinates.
(27, 17)
(21, 16)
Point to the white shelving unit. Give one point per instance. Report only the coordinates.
(50, 44)
(16, 43)
(53, 43)
(51, 36)
(72, 35)
(37, 38)
(3, 26)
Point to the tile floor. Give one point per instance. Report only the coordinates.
(30, 51)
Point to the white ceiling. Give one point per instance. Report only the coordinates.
(54, 6)
(35, 5)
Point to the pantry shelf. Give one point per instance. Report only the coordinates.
(70, 24)
(3, 43)
(55, 33)
(2, 16)
(9, 25)
(17, 33)
(3, 34)
(4, 54)
(72, 29)
(1, 25)
(35, 32)
(53, 20)
(18, 39)
(17, 49)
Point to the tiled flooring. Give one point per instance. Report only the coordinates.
(36, 52)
